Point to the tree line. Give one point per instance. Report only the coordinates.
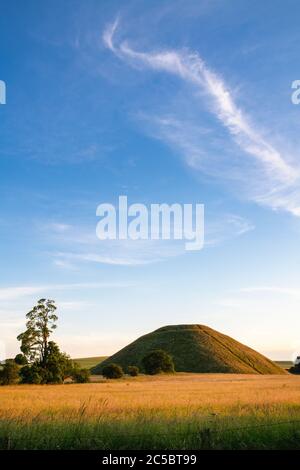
(41, 361)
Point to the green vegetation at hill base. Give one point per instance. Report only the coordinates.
(89, 362)
(195, 348)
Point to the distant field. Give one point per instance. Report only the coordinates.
(183, 411)
(88, 362)
(284, 364)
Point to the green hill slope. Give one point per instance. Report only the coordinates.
(195, 348)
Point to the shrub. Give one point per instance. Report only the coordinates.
(20, 359)
(133, 371)
(295, 369)
(112, 371)
(57, 365)
(81, 376)
(9, 374)
(158, 361)
(31, 374)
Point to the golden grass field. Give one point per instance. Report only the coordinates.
(182, 393)
(166, 411)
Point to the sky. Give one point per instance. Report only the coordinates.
(164, 101)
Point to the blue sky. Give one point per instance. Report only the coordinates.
(182, 101)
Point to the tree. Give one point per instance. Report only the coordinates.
(40, 324)
(80, 376)
(31, 374)
(58, 366)
(42, 360)
(295, 369)
(20, 359)
(9, 374)
(112, 371)
(158, 361)
(133, 371)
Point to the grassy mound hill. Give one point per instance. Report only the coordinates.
(195, 348)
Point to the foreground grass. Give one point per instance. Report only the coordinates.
(184, 411)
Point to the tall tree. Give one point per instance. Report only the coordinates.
(41, 322)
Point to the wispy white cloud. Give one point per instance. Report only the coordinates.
(218, 229)
(66, 234)
(58, 227)
(77, 244)
(65, 258)
(124, 252)
(16, 292)
(225, 228)
(289, 291)
(63, 263)
(275, 178)
(10, 293)
(109, 34)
